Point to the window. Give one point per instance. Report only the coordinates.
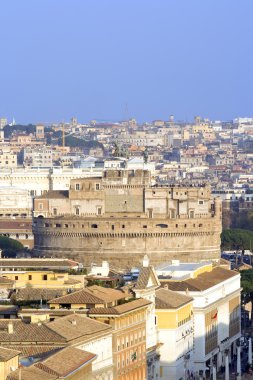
(113, 227)
(201, 202)
(54, 211)
(191, 214)
(77, 186)
(172, 214)
(30, 277)
(77, 211)
(150, 213)
(161, 225)
(16, 277)
(99, 211)
(94, 226)
(44, 277)
(97, 187)
(40, 206)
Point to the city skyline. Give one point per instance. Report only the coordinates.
(112, 61)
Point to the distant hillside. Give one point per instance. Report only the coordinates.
(9, 129)
(75, 142)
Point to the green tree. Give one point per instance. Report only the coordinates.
(234, 239)
(75, 142)
(10, 247)
(247, 285)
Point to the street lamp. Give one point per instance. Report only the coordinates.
(186, 359)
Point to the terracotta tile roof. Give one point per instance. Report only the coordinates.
(107, 294)
(53, 194)
(9, 225)
(4, 281)
(30, 373)
(51, 312)
(65, 361)
(23, 332)
(74, 326)
(167, 299)
(71, 281)
(144, 276)
(36, 294)
(120, 309)
(36, 350)
(204, 281)
(8, 309)
(7, 354)
(91, 295)
(40, 263)
(82, 296)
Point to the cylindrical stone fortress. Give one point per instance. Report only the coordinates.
(122, 218)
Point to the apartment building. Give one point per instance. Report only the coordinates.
(8, 159)
(127, 318)
(216, 309)
(174, 319)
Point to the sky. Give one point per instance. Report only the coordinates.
(110, 60)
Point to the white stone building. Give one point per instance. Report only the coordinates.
(216, 308)
(145, 288)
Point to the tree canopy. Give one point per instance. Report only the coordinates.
(234, 239)
(73, 142)
(9, 129)
(247, 284)
(10, 247)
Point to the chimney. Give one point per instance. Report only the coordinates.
(165, 286)
(145, 262)
(187, 292)
(10, 328)
(73, 322)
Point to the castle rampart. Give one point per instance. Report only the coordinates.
(120, 220)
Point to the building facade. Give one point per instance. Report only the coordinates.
(216, 310)
(99, 218)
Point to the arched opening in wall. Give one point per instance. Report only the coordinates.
(161, 225)
(40, 216)
(94, 226)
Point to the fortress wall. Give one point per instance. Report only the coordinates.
(126, 244)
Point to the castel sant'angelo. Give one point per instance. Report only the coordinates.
(120, 217)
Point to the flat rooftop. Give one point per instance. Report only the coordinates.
(179, 271)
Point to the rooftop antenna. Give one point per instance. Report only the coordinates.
(63, 135)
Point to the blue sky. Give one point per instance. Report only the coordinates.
(112, 59)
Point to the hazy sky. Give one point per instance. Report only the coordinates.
(112, 59)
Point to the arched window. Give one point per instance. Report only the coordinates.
(161, 225)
